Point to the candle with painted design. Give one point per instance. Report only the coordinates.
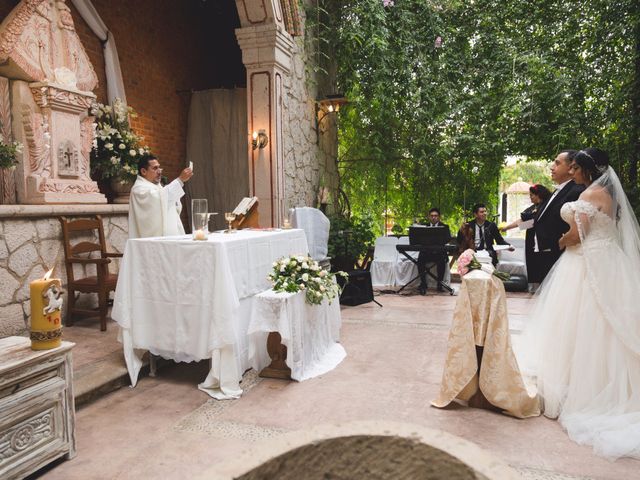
(46, 309)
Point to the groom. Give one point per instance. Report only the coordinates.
(548, 224)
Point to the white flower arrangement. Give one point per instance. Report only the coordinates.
(114, 139)
(301, 273)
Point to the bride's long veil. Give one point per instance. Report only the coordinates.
(626, 221)
(617, 298)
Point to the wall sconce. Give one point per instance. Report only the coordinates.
(325, 106)
(259, 139)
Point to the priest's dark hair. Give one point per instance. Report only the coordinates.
(434, 209)
(477, 207)
(144, 161)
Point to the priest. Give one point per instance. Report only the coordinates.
(154, 210)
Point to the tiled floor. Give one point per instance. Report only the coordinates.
(166, 428)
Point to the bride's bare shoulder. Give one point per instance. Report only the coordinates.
(597, 196)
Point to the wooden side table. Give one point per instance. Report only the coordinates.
(37, 411)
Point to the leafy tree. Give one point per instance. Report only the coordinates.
(441, 92)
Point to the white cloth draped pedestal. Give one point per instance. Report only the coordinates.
(310, 332)
(190, 300)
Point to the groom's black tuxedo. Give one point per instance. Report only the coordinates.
(549, 226)
(490, 233)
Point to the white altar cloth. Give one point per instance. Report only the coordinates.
(190, 300)
(310, 332)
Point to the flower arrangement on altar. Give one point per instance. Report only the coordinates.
(301, 273)
(8, 152)
(116, 148)
(467, 261)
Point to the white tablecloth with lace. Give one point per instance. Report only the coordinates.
(190, 300)
(310, 332)
(480, 319)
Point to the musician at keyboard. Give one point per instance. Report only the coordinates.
(433, 255)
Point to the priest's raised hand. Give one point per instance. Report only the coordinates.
(154, 210)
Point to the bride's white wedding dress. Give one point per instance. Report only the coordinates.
(583, 343)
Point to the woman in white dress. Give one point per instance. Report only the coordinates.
(583, 341)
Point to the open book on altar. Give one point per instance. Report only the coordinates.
(246, 213)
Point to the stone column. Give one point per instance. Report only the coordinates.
(266, 53)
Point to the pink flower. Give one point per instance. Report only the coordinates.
(438, 42)
(464, 260)
(387, 3)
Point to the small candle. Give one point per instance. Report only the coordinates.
(46, 307)
(199, 235)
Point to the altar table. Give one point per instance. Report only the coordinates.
(310, 332)
(189, 300)
(480, 334)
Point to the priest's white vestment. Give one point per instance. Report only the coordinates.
(154, 210)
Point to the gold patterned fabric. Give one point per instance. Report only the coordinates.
(480, 319)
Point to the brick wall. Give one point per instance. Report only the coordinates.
(164, 46)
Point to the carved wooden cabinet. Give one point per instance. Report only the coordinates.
(37, 413)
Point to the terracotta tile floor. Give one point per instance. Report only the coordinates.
(166, 428)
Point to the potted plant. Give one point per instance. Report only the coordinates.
(8, 162)
(349, 239)
(117, 149)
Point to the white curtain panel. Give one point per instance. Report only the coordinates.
(115, 85)
(217, 146)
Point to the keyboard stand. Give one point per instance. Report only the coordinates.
(427, 271)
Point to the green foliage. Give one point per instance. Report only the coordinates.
(350, 236)
(430, 124)
(530, 172)
(8, 152)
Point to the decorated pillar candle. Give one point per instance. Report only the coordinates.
(46, 309)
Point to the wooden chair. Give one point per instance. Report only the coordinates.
(103, 282)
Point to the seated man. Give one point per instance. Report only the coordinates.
(485, 233)
(154, 210)
(439, 258)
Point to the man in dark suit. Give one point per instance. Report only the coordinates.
(485, 233)
(439, 258)
(548, 224)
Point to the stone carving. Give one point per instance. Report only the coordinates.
(50, 96)
(68, 159)
(40, 36)
(25, 434)
(87, 135)
(36, 142)
(52, 82)
(7, 179)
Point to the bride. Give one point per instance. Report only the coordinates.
(583, 341)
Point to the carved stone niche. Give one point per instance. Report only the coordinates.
(51, 83)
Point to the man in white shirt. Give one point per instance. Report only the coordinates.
(154, 210)
(548, 224)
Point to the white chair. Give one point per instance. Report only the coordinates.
(385, 257)
(513, 263)
(316, 228)
(405, 269)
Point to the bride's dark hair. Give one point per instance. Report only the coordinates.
(593, 161)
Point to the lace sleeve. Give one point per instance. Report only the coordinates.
(583, 214)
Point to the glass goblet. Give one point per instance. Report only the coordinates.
(230, 217)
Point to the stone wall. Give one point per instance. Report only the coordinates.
(309, 158)
(31, 243)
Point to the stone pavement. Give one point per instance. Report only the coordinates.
(166, 428)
